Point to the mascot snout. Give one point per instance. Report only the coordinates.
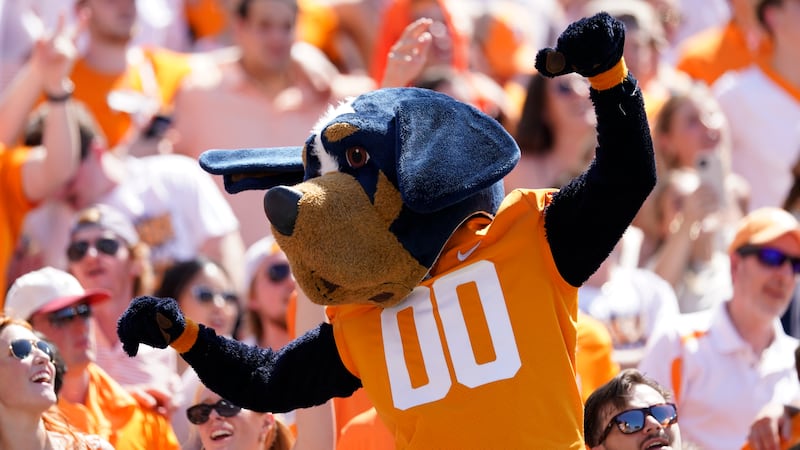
(280, 205)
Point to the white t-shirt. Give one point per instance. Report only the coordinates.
(175, 205)
(719, 383)
(632, 304)
(765, 131)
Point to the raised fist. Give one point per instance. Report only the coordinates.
(589, 46)
(154, 321)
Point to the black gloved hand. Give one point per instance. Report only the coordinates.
(154, 321)
(589, 46)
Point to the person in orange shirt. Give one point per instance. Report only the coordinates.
(365, 431)
(594, 364)
(741, 41)
(30, 175)
(56, 304)
(124, 86)
(207, 21)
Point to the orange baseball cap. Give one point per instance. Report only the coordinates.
(764, 225)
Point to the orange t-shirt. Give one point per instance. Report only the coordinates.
(365, 431)
(318, 25)
(593, 356)
(110, 412)
(206, 18)
(14, 205)
(156, 73)
(488, 339)
(709, 54)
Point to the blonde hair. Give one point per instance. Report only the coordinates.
(682, 94)
(280, 437)
(145, 282)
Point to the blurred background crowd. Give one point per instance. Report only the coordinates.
(105, 106)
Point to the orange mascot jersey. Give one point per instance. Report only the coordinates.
(450, 356)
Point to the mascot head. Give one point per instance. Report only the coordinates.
(387, 178)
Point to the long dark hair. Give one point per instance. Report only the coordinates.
(177, 277)
(534, 133)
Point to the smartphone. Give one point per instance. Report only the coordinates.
(709, 169)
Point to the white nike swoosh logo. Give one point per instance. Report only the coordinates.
(463, 256)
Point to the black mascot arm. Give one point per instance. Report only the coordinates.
(306, 372)
(588, 216)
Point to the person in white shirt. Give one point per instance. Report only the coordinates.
(739, 345)
(762, 103)
(177, 209)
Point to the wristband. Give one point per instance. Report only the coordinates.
(186, 340)
(69, 88)
(610, 77)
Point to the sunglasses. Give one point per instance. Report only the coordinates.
(21, 348)
(65, 316)
(633, 420)
(278, 272)
(200, 413)
(77, 250)
(770, 257)
(205, 295)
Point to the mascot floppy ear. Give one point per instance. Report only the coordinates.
(257, 169)
(440, 150)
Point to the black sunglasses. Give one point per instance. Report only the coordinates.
(199, 414)
(206, 295)
(21, 348)
(770, 257)
(633, 420)
(278, 272)
(77, 250)
(64, 316)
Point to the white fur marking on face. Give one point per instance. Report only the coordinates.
(327, 162)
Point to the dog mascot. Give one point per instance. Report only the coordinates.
(452, 306)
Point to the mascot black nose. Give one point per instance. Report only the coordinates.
(280, 205)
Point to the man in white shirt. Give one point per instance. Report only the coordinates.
(738, 346)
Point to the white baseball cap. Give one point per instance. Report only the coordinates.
(47, 290)
(107, 218)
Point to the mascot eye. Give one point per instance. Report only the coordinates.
(357, 157)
